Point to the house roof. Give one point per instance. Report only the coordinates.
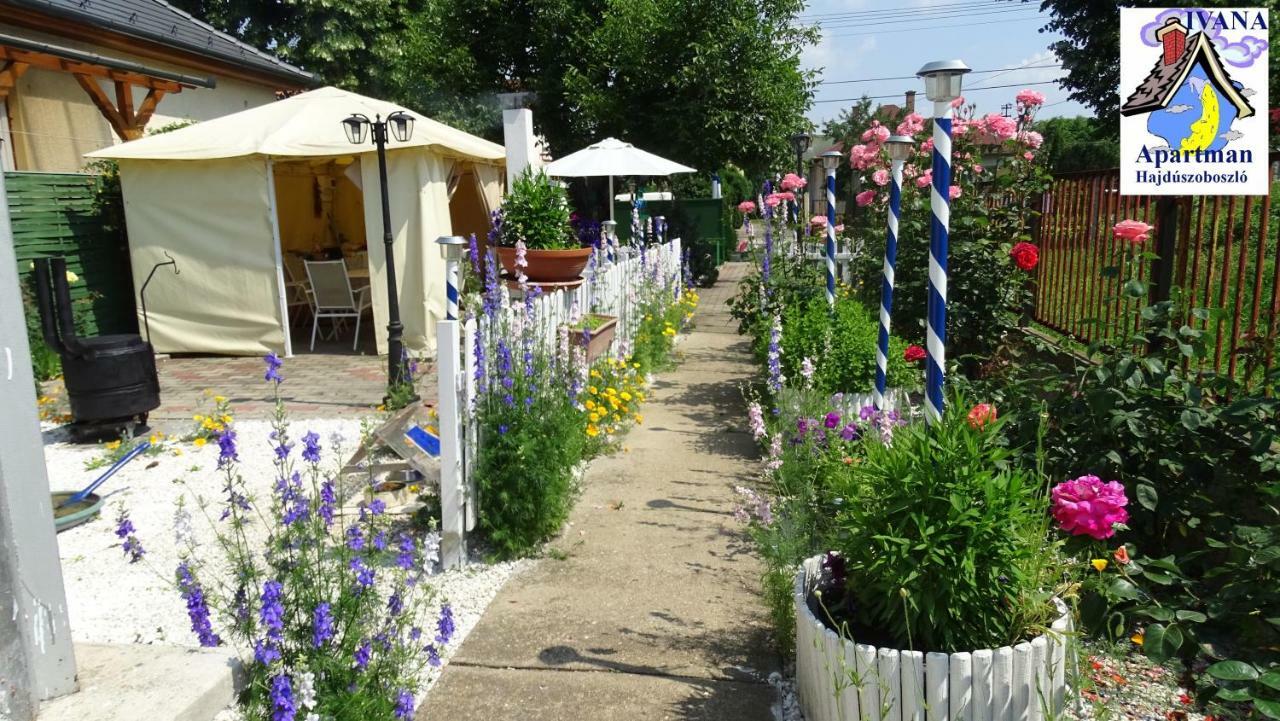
(161, 23)
(1159, 87)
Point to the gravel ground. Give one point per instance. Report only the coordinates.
(112, 601)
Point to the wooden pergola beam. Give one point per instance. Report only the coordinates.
(10, 71)
(53, 62)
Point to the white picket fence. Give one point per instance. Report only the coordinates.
(838, 679)
(610, 287)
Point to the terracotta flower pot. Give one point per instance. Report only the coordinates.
(547, 266)
(598, 339)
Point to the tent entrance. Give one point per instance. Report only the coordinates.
(320, 213)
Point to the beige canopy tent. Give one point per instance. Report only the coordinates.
(231, 198)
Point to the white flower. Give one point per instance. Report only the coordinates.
(307, 691)
(183, 533)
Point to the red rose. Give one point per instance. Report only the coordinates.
(913, 354)
(1025, 255)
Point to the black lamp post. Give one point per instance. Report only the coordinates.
(800, 143)
(401, 127)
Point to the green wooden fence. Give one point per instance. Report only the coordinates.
(59, 214)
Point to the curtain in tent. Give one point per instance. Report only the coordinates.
(213, 217)
(417, 188)
(489, 179)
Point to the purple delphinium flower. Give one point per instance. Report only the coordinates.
(271, 613)
(766, 262)
(321, 624)
(227, 453)
(407, 549)
(850, 432)
(274, 364)
(776, 378)
(355, 538)
(433, 655)
(395, 604)
(415, 634)
(132, 547)
(197, 606)
(492, 299)
(328, 500)
(293, 500)
(473, 254)
(832, 420)
(377, 506)
(481, 386)
(282, 704)
(404, 705)
(380, 540)
(444, 626)
(867, 413)
(362, 655)
(311, 447)
(265, 652)
(364, 574)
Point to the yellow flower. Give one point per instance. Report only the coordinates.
(112, 445)
(197, 418)
(226, 419)
(635, 365)
(593, 390)
(590, 405)
(414, 488)
(595, 373)
(594, 417)
(219, 399)
(1100, 564)
(625, 396)
(639, 419)
(593, 431)
(1138, 638)
(199, 441)
(154, 439)
(611, 391)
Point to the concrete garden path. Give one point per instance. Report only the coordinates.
(648, 606)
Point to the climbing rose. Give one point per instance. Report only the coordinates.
(980, 415)
(880, 177)
(977, 168)
(746, 207)
(957, 102)
(877, 133)
(913, 354)
(865, 198)
(1028, 97)
(1134, 231)
(791, 181)
(818, 220)
(862, 157)
(1025, 255)
(954, 192)
(1033, 139)
(925, 179)
(911, 124)
(1086, 506)
(1028, 156)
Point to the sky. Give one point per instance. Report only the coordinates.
(864, 39)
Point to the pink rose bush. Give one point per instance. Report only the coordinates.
(1134, 231)
(819, 221)
(793, 182)
(865, 198)
(746, 207)
(880, 177)
(1086, 506)
(1029, 98)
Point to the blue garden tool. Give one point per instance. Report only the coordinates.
(132, 454)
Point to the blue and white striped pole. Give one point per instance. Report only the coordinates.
(899, 147)
(942, 85)
(831, 161)
(451, 246)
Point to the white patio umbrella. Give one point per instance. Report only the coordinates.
(610, 157)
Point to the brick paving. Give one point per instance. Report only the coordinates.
(333, 382)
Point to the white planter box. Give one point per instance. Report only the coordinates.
(838, 679)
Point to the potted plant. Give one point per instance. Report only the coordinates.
(941, 591)
(536, 213)
(597, 330)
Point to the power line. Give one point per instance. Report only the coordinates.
(871, 22)
(913, 77)
(936, 27)
(968, 90)
(871, 12)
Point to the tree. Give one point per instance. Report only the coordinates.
(353, 44)
(846, 129)
(1077, 144)
(703, 82)
(1090, 51)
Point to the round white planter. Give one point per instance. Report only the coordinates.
(838, 679)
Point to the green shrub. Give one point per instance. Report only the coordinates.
(842, 347)
(536, 210)
(946, 544)
(525, 469)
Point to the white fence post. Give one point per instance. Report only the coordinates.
(453, 550)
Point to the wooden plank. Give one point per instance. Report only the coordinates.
(1002, 684)
(912, 685)
(936, 686)
(849, 702)
(1040, 694)
(982, 685)
(1021, 682)
(888, 669)
(869, 701)
(960, 686)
